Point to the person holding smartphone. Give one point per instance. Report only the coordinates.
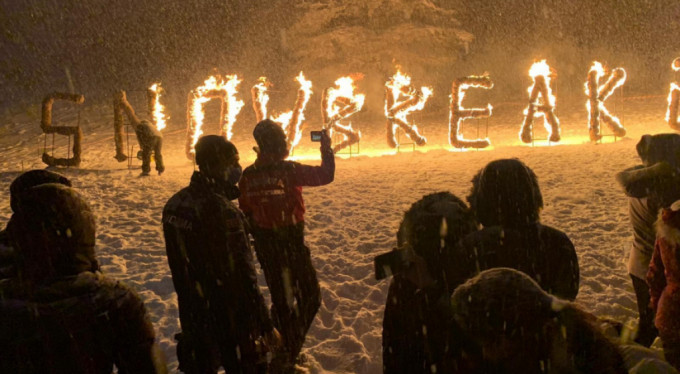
(271, 198)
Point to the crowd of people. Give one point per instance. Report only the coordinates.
(483, 286)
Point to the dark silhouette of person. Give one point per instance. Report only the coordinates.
(271, 198)
(507, 200)
(523, 329)
(649, 188)
(60, 314)
(223, 315)
(418, 335)
(151, 142)
(22, 183)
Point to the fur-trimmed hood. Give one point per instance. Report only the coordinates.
(642, 181)
(659, 173)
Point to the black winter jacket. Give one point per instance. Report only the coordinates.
(419, 334)
(211, 261)
(84, 323)
(542, 252)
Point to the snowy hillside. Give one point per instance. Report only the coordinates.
(355, 218)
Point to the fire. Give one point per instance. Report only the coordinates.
(155, 106)
(290, 121)
(399, 86)
(673, 100)
(213, 88)
(672, 111)
(676, 64)
(540, 68)
(541, 104)
(597, 94)
(260, 98)
(458, 114)
(339, 103)
(234, 105)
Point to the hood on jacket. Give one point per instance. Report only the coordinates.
(506, 193)
(53, 231)
(658, 148)
(502, 301)
(433, 226)
(520, 326)
(659, 173)
(30, 179)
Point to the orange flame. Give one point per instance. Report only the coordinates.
(458, 113)
(234, 105)
(595, 104)
(672, 102)
(158, 109)
(214, 88)
(261, 97)
(543, 69)
(292, 120)
(341, 103)
(541, 104)
(399, 85)
(676, 64)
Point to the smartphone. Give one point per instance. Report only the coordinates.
(316, 136)
(389, 263)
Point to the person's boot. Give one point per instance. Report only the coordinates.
(120, 157)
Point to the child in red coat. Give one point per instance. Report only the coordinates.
(663, 279)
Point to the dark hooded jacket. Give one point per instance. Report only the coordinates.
(418, 335)
(650, 187)
(523, 329)
(81, 323)
(546, 254)
(211, 262)
(507, 200)
(60, 315)
(7, 269)
(19, 185)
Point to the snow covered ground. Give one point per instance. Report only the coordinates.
(355, 218)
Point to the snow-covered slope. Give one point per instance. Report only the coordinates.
(355, 218)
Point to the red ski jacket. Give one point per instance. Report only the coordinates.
(271, 189)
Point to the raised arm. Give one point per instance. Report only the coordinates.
(306, 175)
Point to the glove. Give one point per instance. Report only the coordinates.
(325, 139)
